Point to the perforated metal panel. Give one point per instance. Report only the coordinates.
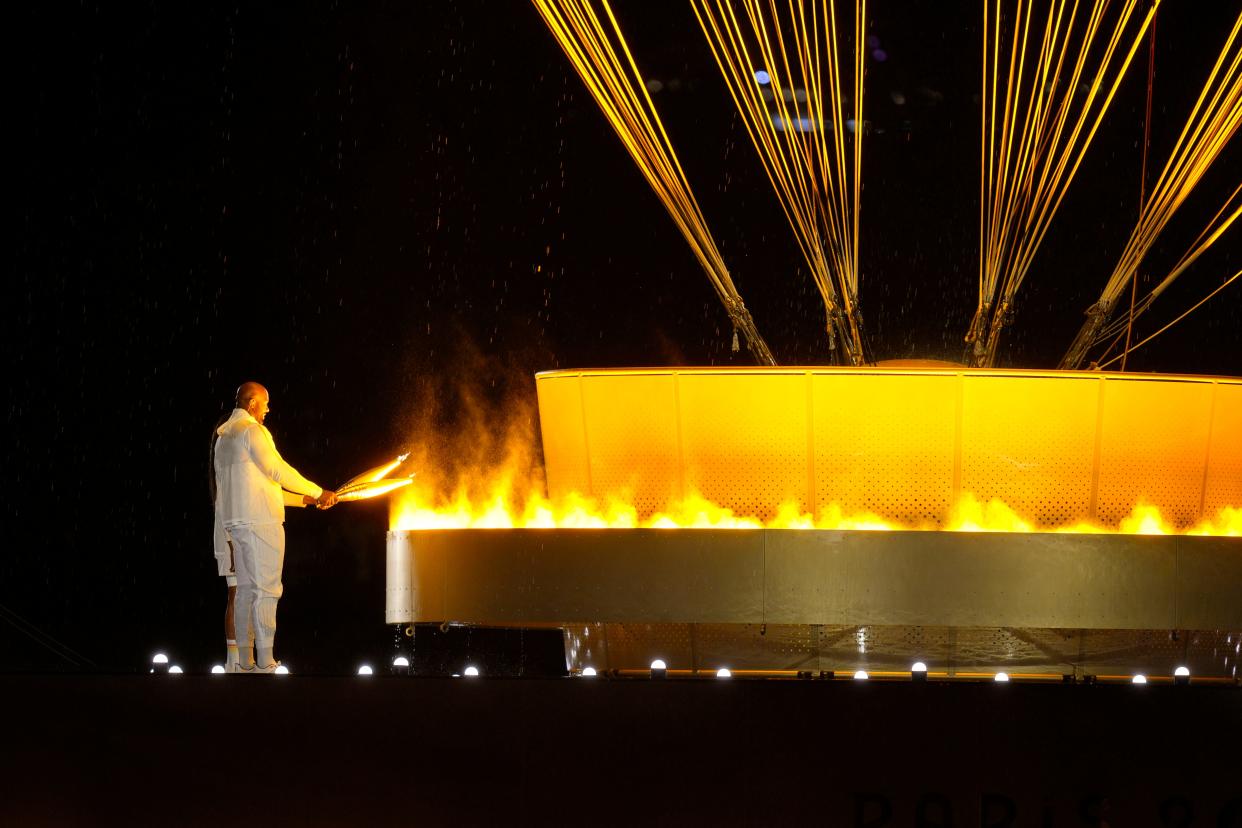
(585, 646)
(637, 645)
(633, 438)
(892, 455)
(952, 650)
(767, 465)
(1040, 466)
(564, 435)
(1223, 484)
(1057, 447)
(1153, 445)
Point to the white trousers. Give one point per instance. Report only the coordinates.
(258, 560)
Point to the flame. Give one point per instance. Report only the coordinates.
(379, 473)
(485, 472)
(371, 483)
(501, 510)
(373, 475)
(372, 488)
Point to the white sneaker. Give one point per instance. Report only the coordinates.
(256, 670)
(233, 667)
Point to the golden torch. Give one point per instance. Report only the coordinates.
(374, 482)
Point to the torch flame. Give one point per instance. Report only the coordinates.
(380, 472)
(373, 488)
(372, 482)
(373, 475)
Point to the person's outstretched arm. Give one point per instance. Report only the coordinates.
(267, 458)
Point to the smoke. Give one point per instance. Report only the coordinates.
(473, 431)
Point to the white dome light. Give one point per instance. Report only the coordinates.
(1139, 679)
(400, 661)
(159, 658)
(282, 670)
(588, 671)
(1182, 671)
(471, 671)
(659, 664)
(762, 77)
(174, 669)
(724, 672)
(1002, 677)
(365, 670)
(918, 667)
(861, 675)
(217, 670)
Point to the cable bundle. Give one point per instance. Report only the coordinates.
(802, 137)
(597, 53)
(1213, 121)
(1036, 128)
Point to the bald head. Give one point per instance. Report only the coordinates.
(253, 398)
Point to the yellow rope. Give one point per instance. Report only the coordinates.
(1213, 230)
(800, 134)
(1036, 130)
(1213, 121)
(1192, 308)
(603, 60)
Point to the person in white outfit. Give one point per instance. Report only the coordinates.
(254, 484)
(222, 548)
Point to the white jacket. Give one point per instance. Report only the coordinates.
(251, 476)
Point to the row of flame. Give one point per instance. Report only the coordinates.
(502, 508)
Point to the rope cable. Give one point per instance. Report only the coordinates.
(1151, 77)
(1213, 121)
(1215, 228)
(1186, 313)
(797, 123)
(43, 639)
(1035, 132)
(603, 60)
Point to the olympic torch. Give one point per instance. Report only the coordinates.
(374, 482)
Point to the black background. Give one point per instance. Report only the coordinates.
(390, 751)
(380, 210)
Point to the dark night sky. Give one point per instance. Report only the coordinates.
(368, 206)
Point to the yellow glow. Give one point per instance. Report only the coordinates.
(501, 511)
(373, 488)
(839, 449)
(373, 475)
(1227, 524)
(381, 472)
(969, 515)
(939, 448)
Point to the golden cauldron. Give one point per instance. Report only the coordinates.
(1058, 447)
(1063, 450)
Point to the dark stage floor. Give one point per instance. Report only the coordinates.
(162, 750)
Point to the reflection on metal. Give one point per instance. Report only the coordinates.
(790, 599)
(771, 600)
(399, 581)
(904, 443)
(947, 651)
(773, 576)
(1058, 447)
